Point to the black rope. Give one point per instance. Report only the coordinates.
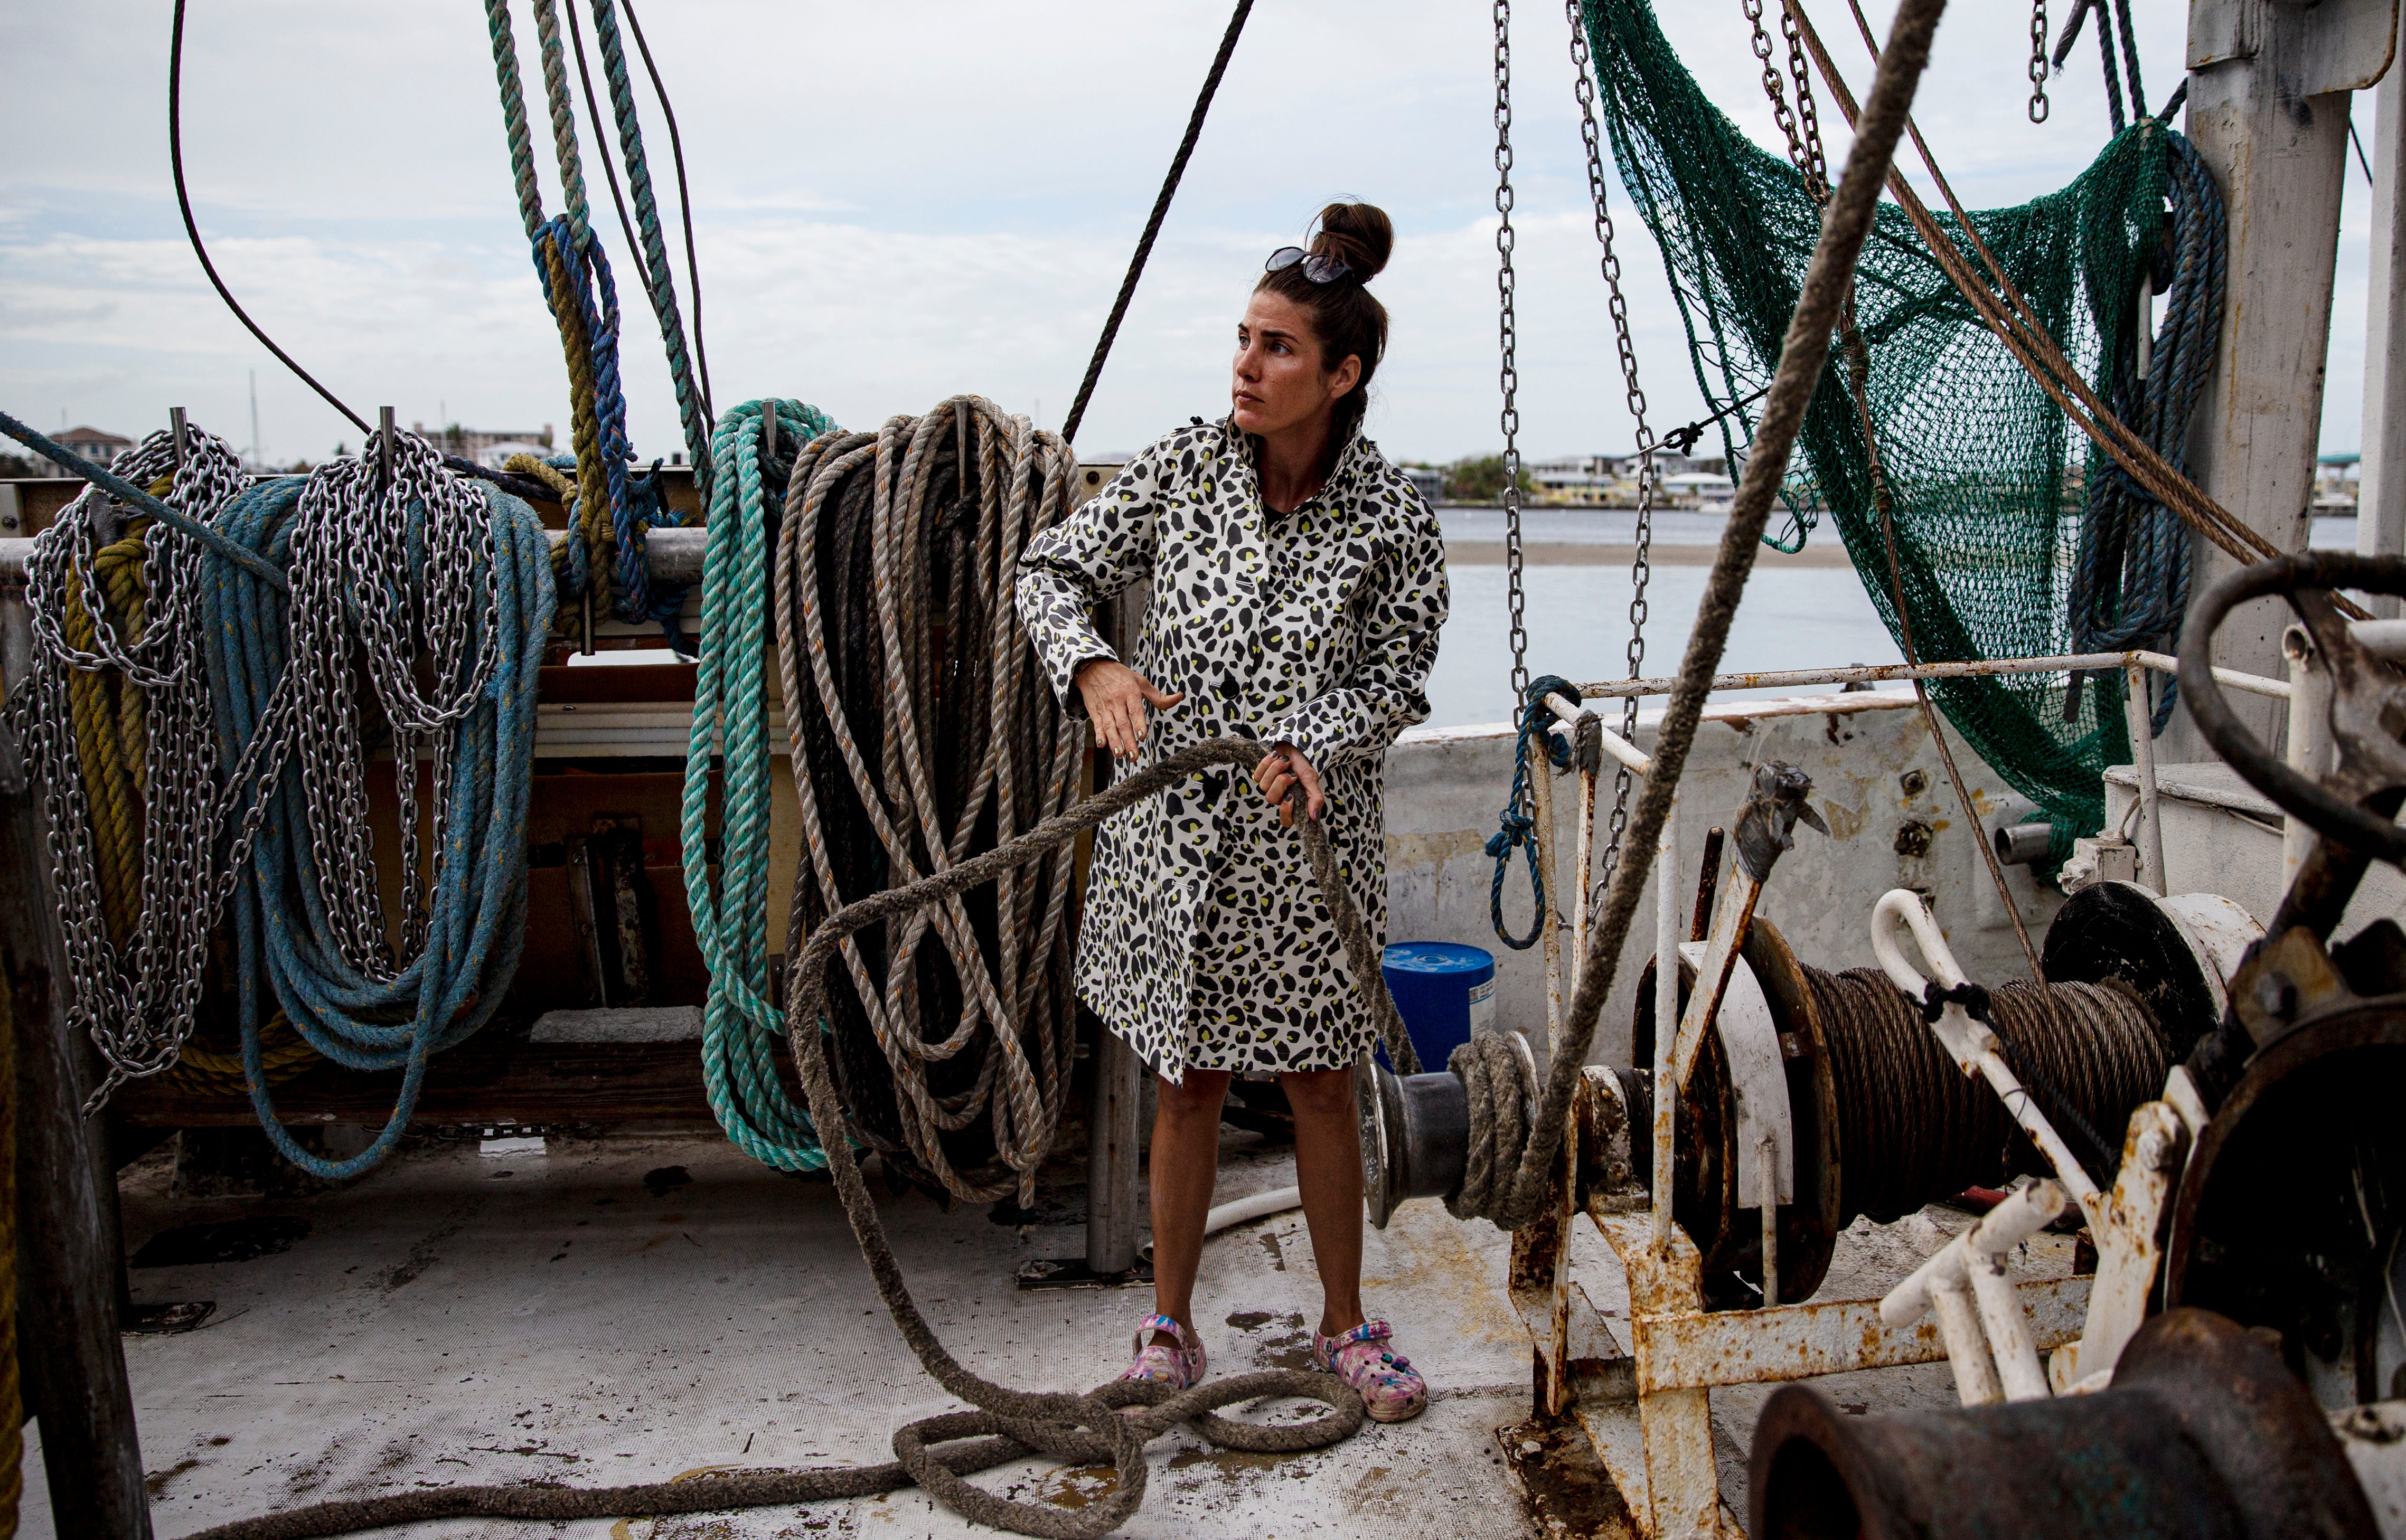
(1153, 225)
(685, 204)
(191, 229)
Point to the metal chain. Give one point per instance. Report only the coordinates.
(1641, 570)
(403, 573)
(1508, 377)
(2038, 62)
(1777, 93)
(134, 993)
(1808, 120)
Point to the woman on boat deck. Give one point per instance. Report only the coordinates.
(1298, 582)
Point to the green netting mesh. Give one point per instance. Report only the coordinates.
(1986, 487)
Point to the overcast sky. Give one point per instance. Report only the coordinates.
(893, 203)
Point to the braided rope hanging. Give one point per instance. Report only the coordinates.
(442, 587)
(923, 734)
(729, 743)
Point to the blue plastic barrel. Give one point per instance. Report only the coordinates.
(1444, 991)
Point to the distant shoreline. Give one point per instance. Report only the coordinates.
(1827, 553)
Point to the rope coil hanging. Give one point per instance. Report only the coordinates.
(729, 743)
(923, 733)
(439, 589)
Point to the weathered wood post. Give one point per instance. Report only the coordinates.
(68, 1251)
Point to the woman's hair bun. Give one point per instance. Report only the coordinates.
(1358, 234)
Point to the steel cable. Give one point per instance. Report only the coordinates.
(1913, 1128)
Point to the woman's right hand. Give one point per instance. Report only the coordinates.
(1116, 697)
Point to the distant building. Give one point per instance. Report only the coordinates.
(1610, 480)
(489, 448)
(2338, 478)
(101, 448)
(1429, 479)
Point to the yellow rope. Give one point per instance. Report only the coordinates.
(590, 515)
(218, 1072)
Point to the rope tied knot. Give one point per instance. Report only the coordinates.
(1935, 998)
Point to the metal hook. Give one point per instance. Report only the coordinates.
(176, 428)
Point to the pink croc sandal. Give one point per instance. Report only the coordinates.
(1180, 1367)
(1365, 1358)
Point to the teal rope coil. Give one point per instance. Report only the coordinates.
(479, 632)
(730, 916)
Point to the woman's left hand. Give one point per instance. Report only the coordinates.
(1282, 770)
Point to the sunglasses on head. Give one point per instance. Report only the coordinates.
(1319, 269)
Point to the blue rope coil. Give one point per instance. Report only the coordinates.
(456, 983)
(1518, 821)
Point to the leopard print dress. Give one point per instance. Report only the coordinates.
(1205, 943)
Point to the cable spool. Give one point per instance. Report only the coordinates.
(2173, 952)
(1884, 1121)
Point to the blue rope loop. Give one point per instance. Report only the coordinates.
(478, 909)
(638, 503)
(1517, 825)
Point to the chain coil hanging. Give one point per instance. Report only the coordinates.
(924, 733)
(115, 716)
(427, 598)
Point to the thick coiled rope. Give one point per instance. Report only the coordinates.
(2131, 583)
(1008, 1425)
(895, 565)
(442, 587)
(1913, 1128)
(114, 714)
(12, 1412)
(729, 743)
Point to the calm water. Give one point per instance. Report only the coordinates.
(1792, 617)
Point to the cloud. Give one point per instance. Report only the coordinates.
(892, 203)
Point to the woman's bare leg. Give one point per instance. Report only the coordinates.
(1328, 1168)
(1185, 1162)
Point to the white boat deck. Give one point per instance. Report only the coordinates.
(638, 1308)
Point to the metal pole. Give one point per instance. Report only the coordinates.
(2381, 495)
(1668, 887)
(2141, 716)
(2309, 748)
(1542, 784)
(175, 429)
(67, 1252)
(1112, 1188)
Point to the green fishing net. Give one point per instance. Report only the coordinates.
(1987, 476)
